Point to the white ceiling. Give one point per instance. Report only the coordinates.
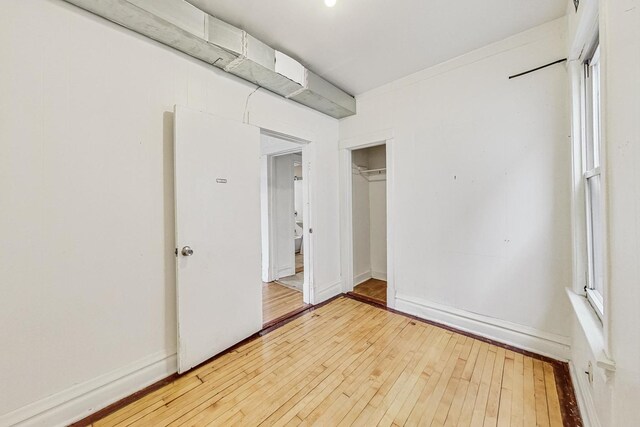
(361, 44)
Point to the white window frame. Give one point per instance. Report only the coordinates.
(591, 161)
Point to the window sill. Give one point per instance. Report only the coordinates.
(592, 328)
(596, 302)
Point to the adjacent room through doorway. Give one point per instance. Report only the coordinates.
(369, 204)
(283, 211)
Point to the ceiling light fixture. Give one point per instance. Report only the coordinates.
(330, 3)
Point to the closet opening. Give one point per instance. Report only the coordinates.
(369, 222)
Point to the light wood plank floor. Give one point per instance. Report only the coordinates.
(373, 288)
(350, 363)
(278, 300)
(299, 263)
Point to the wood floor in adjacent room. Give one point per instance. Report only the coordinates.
(299, 263)
(374, 289)
(278, 301)
(350, 363)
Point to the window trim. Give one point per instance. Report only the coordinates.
(592, 172)
(591, 129)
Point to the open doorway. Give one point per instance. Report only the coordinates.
(285, 240)
(369, 222)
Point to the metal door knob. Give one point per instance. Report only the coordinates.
(187, 251)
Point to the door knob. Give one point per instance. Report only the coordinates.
(187, 251)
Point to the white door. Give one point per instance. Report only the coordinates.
(217, 192)
(283, 216)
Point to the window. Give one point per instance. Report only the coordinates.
(592, 182)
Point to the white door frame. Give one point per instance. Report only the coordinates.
(346, 216)
(308, 245)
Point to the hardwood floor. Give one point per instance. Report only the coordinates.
(278, 300)
(350, 363)
(299, 263)
(374, 289)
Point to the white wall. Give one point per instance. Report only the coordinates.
(481, 196)
(265, 238)
(622, 140)
(377, 159)
(612, 398)
(361, 227)
(378, 228)
(283, 216)
(377, 156)
(298, 191)
(86, 177)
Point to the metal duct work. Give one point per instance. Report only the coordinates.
(183, 26)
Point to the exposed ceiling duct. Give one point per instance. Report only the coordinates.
(188, 29)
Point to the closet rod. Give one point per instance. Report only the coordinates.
(538, 68)
(373, 170)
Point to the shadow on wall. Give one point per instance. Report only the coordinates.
(170, 327)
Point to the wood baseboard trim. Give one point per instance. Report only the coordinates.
(564, 386)
(524, 337)
(584, 397)
(268, 328)
(124, 402)
(367, 299)
(567, 395)
(285, 316)
(75, 402)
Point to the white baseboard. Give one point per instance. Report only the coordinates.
(584, 398)
(329, 291)
(523, 337)
(286, 272)
(379, 275)
(81, 400)
(361, 278)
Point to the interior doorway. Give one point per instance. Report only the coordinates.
(369, 222)
(286, 267)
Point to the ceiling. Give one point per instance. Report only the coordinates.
(361, 44)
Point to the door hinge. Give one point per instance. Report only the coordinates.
(176, 251)
(311, 231)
